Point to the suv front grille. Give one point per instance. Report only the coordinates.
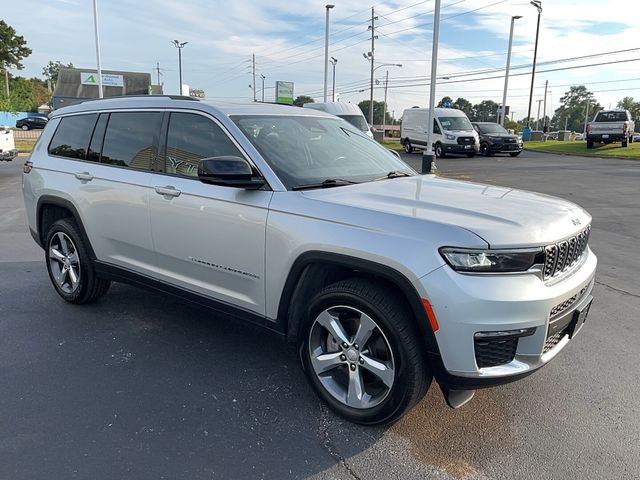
(561, 256)
(491, 352)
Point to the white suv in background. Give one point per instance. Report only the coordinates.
(297, 221)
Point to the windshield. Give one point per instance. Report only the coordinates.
(306, 150)
(491, 128)
(455, 123)
(357, 121)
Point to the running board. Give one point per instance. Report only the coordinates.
(457, 398)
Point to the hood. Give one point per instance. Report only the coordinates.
(503, 217)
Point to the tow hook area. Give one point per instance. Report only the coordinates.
(457, 398)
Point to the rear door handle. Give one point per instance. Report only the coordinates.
(168, 191)
(84, 176)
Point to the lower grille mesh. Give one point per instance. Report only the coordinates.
(493, 352)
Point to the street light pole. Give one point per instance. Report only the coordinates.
(538, 5)
(427, 155)
(506, 74)
(179, 46)
(262, 77)
(372, 27)
(538, 117)
(384, 106)
(334, 60)
(99, 63)
(326, 49)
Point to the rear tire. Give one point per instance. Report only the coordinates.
(25, 127)
(394, 376)
(69, 265)
(589, 143)
(408, 148)
(625, 142)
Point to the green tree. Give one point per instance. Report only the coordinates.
(627, 103)
(485, 111)
(39, 93)
(301, 100)
(378, 109)
(13, 47)
(21, 98)
(52, 70)
(465, 105)
(573, 109)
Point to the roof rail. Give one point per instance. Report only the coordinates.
(172, 97)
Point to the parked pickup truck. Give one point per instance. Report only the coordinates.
(610, 126)
(7, 145)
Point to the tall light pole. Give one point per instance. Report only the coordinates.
(326, 49)
(369, 57)
(384, 106)
(179, 46)
(427, 155)
(538, 117)
(506, 73)
(99, 63)
(538, 5)
(262, 77)
(334, 60)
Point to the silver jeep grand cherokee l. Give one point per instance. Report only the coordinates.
(295, 220)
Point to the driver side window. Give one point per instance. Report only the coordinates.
(192, 137)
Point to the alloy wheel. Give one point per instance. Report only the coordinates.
(64, 262)
(351, 357)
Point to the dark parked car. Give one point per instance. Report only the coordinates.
(29, 123)
(494, 138)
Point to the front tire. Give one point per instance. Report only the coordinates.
(362, 353)
(485, 150)
(439, 150)
(69, 265)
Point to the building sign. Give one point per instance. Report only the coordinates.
(108, 80)
(284, 92)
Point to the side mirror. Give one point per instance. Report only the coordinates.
(228, 171)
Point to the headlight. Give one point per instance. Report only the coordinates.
(499, 261)
(450, 137)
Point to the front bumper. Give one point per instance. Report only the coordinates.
(8, 155)
(505, 147)
(456, 148)
(467, 304)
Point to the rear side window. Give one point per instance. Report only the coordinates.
(192, 137)
(612, 117)
(72, 136)
(130, 139)
(95, 146)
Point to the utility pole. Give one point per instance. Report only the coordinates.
(326, 49)
(538, 5)
(334, 60)
(538, 117)
(427, 155)
(506, 73)
(586, 118)
(262, 77)
(544, 110)
(372, 27)
(98, 61)
(384, 107)
(158, 72)
(253, 71)
(566, 121)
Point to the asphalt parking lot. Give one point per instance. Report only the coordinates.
(145, 386)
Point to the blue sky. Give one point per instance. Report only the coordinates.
(287, 38)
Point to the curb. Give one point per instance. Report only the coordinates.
(615, 157)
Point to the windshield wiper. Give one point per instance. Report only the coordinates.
(394, 174)
(328, 183)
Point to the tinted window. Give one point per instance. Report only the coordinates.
(72, 136)
(129, 139)
(611, 117)
(96, 140)
(192, 137)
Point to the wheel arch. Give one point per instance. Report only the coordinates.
(50, 209)
(316, 269)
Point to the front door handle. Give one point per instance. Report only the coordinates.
(84, 176)
(168, 191)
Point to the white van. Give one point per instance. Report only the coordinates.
(452, 132)
(7, 144)
(348, 111)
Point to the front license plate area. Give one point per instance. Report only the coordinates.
(579, 317)
(605, 136)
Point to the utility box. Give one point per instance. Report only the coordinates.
(564, 135)
(537, 136)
